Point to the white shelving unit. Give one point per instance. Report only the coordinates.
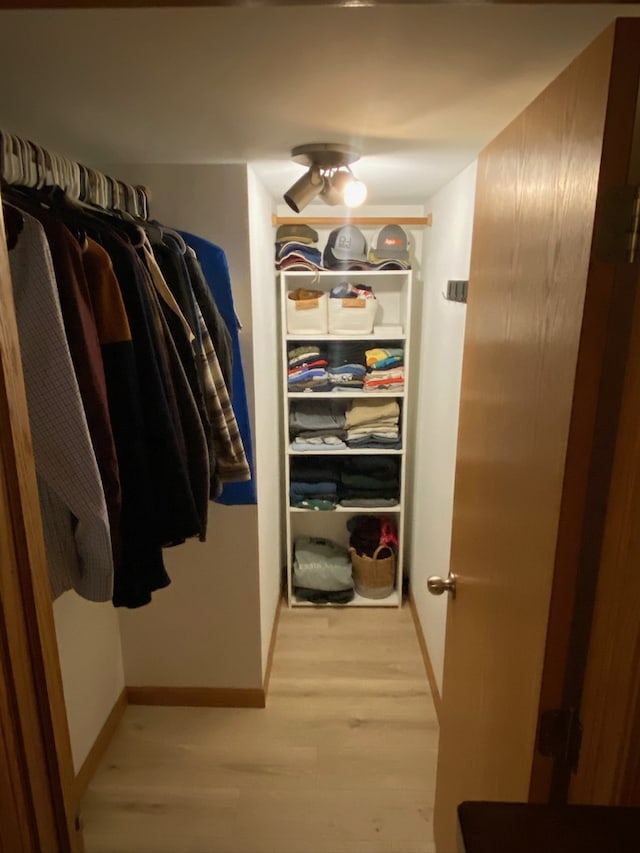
(392, 290)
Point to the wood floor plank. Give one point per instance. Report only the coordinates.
(342, 759)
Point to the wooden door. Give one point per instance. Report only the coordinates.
(36, 771)
(546, 332)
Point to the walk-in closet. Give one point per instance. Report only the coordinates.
(240, 419)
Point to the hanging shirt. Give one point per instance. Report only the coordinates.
(227, 448)
(141, 570)
(84, 347)
(74, 511)
(216, 273)
(173, 510)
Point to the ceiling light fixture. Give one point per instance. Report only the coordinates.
(328, 176)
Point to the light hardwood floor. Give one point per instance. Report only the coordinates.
(342, 760)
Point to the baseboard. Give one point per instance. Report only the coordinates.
(437, 700)
(90, 764)
(272, 646)
(198, 697)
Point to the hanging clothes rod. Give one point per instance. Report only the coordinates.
(353, 220)
(23, 163)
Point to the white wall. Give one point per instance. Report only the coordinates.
(204, 629)
(447, 255)
(268, 436)
(91, 664)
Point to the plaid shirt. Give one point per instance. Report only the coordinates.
(231, 464)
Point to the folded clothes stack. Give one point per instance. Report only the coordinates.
(317, 425)
(385, 369)
(370, 481)
(294, 250)
(322, 571)
(344, 352)
(346, 377)
(307, 369)
(373, 424)
(347, 370)
(314, 483)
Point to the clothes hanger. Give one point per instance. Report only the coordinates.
(142, 201)
(8, 164)
(177, 238)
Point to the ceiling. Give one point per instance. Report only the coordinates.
(420, 89)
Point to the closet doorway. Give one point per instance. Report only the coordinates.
(53, 765)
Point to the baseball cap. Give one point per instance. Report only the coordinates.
(389, 265)
(389, 243)
(299, 232)
(344, 245)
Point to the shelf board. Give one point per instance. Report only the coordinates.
(352, 510)
(353, 451)
(337, 395)
(371, 336)
(392, 600)
(325, 273)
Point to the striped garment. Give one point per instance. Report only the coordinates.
(230, 458)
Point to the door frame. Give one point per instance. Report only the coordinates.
(34, 734)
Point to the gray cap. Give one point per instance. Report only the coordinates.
(346, 243)
(389, 243)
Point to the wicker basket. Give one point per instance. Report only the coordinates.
(374, 577)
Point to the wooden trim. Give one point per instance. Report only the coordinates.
(431, 677)
(272, 647)
(427, 220)
(163, 4)
(198, 697)
(91, 762)
(32, 670)
(17, 817)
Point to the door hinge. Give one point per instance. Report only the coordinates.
(616, 233)
(560, 736)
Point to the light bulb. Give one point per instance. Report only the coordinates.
(355, 193)
(334, 184)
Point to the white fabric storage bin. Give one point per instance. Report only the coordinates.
(352, 316)
(307, 316)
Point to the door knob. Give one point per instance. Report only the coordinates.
(437, 585)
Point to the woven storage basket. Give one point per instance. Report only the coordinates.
(374, 577)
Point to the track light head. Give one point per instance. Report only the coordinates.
(334, 185)
(305, 189)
